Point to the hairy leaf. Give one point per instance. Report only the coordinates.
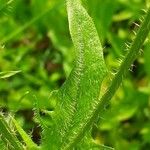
(8, 136)
(76, 99)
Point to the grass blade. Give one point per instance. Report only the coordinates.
(8, 74)
(28, 24)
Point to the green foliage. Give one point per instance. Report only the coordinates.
(73, 116)
(5, 6)
(7, 74)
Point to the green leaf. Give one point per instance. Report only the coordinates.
(77, 98)
(8, 74)
(8, 136)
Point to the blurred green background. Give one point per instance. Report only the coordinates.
(35, 39)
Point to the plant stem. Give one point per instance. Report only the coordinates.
(26, 138)
(126, 63)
